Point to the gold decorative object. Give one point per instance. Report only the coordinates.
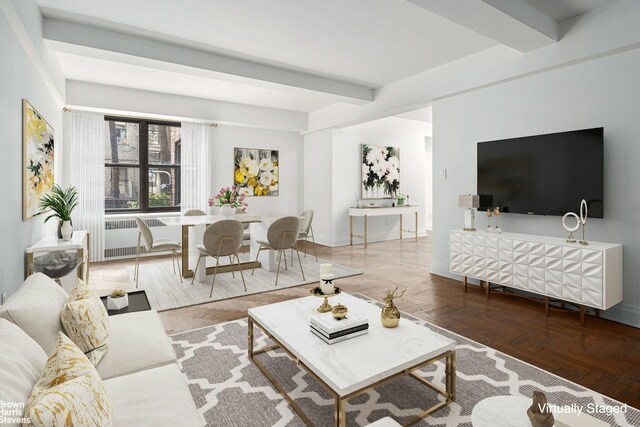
(496, 213)
(339, 311)
(539, 412)
(489, 214)
(390, 314)
(325, 307)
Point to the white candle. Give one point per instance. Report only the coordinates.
(326, 269)
(327, 288)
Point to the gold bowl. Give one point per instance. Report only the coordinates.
(339, 311)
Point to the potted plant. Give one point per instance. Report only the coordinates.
(117, 300)
(229, 200)
(61, 202)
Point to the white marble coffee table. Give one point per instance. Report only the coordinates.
(501, 411)
(353, 367)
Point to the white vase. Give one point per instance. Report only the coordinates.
(117, 303)
(227, 211)
(67, 230)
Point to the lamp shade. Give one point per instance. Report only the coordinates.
(468, 201)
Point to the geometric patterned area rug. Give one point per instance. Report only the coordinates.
(229, 390)
(165, 290)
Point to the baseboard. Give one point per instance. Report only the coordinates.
(621, 313)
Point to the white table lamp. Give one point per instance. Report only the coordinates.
(470, 203)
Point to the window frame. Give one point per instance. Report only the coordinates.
(143, 166)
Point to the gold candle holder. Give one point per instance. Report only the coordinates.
(325, 307)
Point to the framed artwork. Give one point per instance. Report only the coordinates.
(38, 151)
(256, 171)
(380, 171)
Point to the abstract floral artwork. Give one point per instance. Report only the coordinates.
(38, 159)
(380, 171)
(256, 171)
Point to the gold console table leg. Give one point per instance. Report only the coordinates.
(365, 231)
(416, 226)
(488, 289)
(464, 284)
(400, 226)
(350, 230)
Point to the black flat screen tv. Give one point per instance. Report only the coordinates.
(543, 174)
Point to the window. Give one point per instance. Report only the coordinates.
(142, 165)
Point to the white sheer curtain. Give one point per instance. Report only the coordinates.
(86, 143)
(195, 168)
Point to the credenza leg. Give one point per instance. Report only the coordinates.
(582, 318)
(400, 226)
(464, 284)
(597, 312)
(488, 289)
(547, 310)
(365, 231)
(416, 226)
(350, 230)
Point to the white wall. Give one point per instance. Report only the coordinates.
(289, 145)
(20, 78)
(318, 187)
(333, 174)
(428, 183)
(602, 92)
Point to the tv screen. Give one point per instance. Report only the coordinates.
(543, 174)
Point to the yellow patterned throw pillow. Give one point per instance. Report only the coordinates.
(86, 322)
(70, 391)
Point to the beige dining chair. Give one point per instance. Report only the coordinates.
(306, 232)
(194, 212)
(282, 235)
(155, 245)
(222, 238)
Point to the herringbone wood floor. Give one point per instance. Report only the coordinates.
(604, 356)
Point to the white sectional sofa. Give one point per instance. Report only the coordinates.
(139, 369)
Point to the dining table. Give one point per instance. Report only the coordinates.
(193, 228)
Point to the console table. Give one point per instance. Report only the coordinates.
(366, 212)
(51, 243)
(583, 275)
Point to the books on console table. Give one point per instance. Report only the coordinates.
(332, 330)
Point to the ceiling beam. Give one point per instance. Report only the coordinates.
(513, 23)
(77, 38)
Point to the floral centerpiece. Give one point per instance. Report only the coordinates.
(229, 199)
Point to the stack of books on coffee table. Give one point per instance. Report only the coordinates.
(332, 330)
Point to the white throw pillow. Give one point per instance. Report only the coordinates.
(35, 307)
(21, 363)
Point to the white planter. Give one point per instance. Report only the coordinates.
(117, 303)
(67, 230)
(227, 211)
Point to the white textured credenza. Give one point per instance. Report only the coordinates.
(586, 275)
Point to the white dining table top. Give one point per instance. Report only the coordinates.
(210, 219)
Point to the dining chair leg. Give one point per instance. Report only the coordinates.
(300, 262)
(284, 255)
(173, 261)
(137, 269)
(257, 256)
(175, 258)
(231, 264)
(195, 271)
(215, 271)
(292, 254)
(241, 275)
(313, 239)
(279, 259)
(306, 245)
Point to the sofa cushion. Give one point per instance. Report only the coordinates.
(35, 307)
(137, 342)
(69, 392)
(21, 363)
(155, 398)
(86, 322)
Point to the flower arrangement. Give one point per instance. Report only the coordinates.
(256, 172)
(380, 171)
(229, 196)
(117, 293)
